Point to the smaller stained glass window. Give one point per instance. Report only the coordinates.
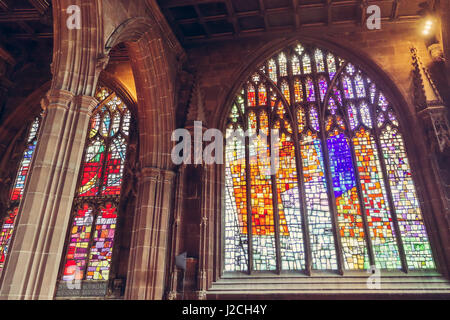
(251, 95)
(285, 90)
(272, 70)
(320, 64)
(16, 193)
(352, 116)
(331, 66)
(296, 69)
(310, 93)
(93, 226)
(306, 64)
(360, 90)
(314, 118)
(323, 87)
(262, 95)
(282, 61)
(298, 91)
(348, 88)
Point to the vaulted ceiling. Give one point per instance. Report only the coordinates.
(197, 21)
(27, 24)
(26, 32)
(26, 19)
(26, 42)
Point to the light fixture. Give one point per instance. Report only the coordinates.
(427, 26)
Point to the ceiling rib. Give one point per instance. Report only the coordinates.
(40, 5)
(4, 5)
(20, 15)
(263, 17)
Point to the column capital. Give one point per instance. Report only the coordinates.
(86, 103)
(169, 176)
(437, 126)
(201, 295)
(64, 98)
(58, 98)
(154, 173)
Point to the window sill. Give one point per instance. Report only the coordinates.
(87, 290)
(323, 285)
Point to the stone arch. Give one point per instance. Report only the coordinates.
(153, 53)
(130, 30)
(78, 56)
(154, 78)
(27, 109)
(343, 49)
(421, 166)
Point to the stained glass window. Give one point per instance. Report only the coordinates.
(342, 196)
(16, 193)
(94, 221)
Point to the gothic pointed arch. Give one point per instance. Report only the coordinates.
(344, 196)
(104, 201)
(20, 153)
(20, 134)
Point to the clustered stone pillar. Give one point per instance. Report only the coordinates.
(32, 266)
(7, 63)
(206, 232)
(147, 263)
(176, 236)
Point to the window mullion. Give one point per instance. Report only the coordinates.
(248, 187)
(107, 141)
(392, 209)
(299, 165)
(273, 177)
(332, 200)
(276, 214)
(95, 210)
(326, 160)
(303, 204)
(96, 198)
(362, 205)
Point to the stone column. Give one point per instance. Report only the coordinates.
(433, 115)
(205, 237)
(176, 236)
(149, 239)
(35, 253)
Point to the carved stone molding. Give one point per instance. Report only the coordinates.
(155, 174)
(87, 103)
(102, 62)
(429, 105)
(172, 295)
(196, 105)
(64, 99)
(201, 295)
(437, 126)
(436, 52)
(57, 98)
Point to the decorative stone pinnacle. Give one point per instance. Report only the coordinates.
(196, 105)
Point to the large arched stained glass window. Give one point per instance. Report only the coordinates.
(95, 212)
(16, 193)
(343, 197)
